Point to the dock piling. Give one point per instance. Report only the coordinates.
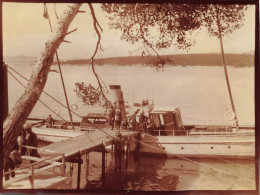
(119, 157)
(31, 177)
(127, 155)
(116, 156)
(79, 170)
(63, 165)
(103, 164)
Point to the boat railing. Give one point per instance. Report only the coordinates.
(38, 165)
(161, 132)
(201, 132)
(87, 129)
(57, 126)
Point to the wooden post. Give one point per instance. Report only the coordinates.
(79, 170)
(119, 157)
(103, 164)
(127, 155)
(116, 151)
(71, 169)
(63, 165)
(32, 177)
(87, 166)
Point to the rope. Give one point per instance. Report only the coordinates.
(213, 156)
(44, 91)
(38, 99)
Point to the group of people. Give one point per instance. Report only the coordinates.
(115, 118)
(137, 120)
(28, 138)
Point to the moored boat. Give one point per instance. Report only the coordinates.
(170, 137)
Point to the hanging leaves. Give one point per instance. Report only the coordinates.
(160, 26)
(230, 18)
(91, 95)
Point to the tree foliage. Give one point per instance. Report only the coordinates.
(160, 26)
(91, 95)
(230, 18)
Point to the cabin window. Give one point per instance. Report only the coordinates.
(94, 121)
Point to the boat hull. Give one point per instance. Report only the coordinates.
(237, 147)
(55, 135)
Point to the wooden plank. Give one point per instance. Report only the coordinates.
(87, 142)
(40, 159)
(23, 176)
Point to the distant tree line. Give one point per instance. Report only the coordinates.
(237, 60)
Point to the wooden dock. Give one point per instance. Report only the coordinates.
(88, 142)
(71, 150)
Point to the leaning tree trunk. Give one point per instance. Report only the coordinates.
(30, 96)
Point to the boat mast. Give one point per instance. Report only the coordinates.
(62, 80)
(225, 69)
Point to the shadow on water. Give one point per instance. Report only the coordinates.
(151, 173)
(148, 173)
(143, 173)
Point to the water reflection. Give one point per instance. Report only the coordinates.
(157, 173)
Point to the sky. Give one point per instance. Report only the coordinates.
(25, 32)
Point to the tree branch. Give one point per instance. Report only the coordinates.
(142, 33)
(30, 96)
(96, 25)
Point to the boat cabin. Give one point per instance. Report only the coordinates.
(166, 122)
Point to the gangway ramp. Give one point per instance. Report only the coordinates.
(87, 142)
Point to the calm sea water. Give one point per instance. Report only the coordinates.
(157, 173)
(199, 91)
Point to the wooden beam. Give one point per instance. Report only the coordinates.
(79, 170)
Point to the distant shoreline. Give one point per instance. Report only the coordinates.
(236, 60)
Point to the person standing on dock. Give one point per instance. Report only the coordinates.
(22, 141)
(13, 160)
(118, 118)
(31, 140)
(111, 117)
(133, 120)
(141, 121)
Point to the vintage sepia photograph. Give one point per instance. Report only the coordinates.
(129, 96)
